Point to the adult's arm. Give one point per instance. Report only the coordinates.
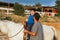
(29, 32)
(34, 30)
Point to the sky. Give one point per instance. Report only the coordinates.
(33, 2)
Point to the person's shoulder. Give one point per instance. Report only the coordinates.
(30, 15)
(39, 24)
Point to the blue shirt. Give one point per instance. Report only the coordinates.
(30, 19)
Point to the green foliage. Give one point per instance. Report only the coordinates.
(57, 6)
(5, 17)
(18, 9)
(8, 18)
(38, 4)
(1, 17)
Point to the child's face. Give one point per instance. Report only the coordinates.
(32, 12)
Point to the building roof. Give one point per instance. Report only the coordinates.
(34, 7)
(6, 4)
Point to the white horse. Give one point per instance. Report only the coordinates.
(15, 31)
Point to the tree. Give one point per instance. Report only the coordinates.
(57, 6)
(38, 4)
(18, 9)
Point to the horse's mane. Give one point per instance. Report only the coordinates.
(7, 21)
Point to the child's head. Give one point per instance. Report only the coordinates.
(32, 11)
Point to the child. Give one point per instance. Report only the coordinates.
(30, 22)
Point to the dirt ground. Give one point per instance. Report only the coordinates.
(55, 25)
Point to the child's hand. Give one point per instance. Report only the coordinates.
(25, 31)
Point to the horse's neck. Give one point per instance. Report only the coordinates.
(14, 28)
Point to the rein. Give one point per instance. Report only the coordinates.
(16, 34)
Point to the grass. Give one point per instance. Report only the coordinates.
(20, 19)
